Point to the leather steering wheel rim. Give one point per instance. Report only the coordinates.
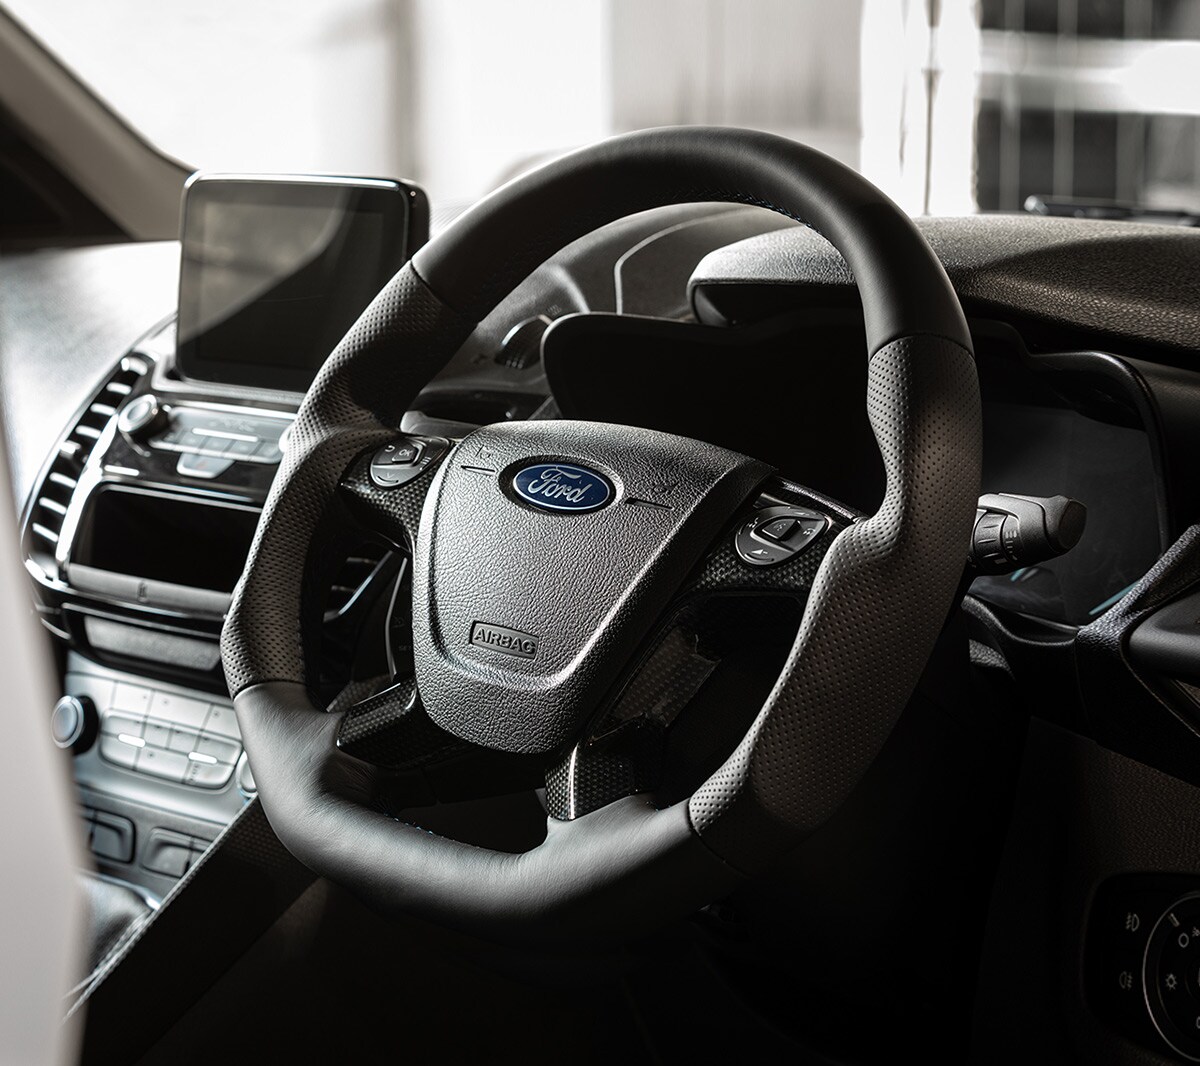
(875, 610)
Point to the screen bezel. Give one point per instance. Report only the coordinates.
(401, 206)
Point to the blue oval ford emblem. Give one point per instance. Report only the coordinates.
(562, 487)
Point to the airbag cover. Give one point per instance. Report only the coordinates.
(526, 608)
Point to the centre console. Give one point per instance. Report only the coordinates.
(142, 518)
(134, 538)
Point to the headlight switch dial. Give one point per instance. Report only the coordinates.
(1171, 976)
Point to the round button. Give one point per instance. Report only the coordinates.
(141, 415)
(72, 723)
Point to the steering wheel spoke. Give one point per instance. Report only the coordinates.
(385, 487)
(735, 615)
(420, 762)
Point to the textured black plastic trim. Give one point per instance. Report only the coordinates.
(1073, 278)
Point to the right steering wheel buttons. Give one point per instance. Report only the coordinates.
(773, 535)
(398, 453)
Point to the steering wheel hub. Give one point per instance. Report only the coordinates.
(585, 586)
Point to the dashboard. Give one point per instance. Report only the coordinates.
(787, 391)
(141, 484)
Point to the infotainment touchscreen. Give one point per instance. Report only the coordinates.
(276, 269)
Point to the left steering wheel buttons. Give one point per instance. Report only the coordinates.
(403, 460)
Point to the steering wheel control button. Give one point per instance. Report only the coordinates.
(404, 460)
(562, 487)
(774, 535)
(398, 453)
(778, 529)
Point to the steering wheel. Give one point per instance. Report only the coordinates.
(545, 554)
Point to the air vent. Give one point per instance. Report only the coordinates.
(353, 577)
(50, 507)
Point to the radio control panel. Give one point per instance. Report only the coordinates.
(208, 440)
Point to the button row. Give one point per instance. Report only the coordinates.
(159, 734)
(200, 433)
(176, 738)
(196, 443)
(142, 701)
(168, 752)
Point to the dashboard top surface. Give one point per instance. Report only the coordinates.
(1120, 282)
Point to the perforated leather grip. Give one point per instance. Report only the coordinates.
(877, 605)
(904, 289)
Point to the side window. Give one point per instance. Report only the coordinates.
(39, 206)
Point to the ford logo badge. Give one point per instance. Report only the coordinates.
(562, 487)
